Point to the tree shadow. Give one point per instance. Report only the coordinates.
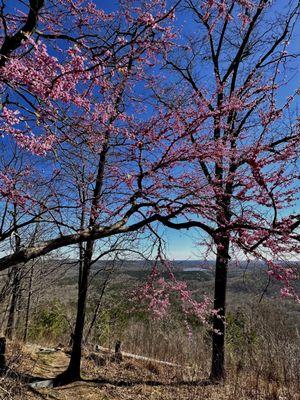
(28, 380)
(36, 382)
(23, 377)
(129, 383)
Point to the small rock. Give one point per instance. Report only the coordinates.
(46, 350)
(46, 383)
(97, 348)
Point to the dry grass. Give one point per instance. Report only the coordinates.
(263, 362)
(136, 379)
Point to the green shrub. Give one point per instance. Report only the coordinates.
(49, 322)
(241, 338)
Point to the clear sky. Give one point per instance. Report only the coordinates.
(183, 244)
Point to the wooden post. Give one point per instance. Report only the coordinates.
(118, 354)
(2, 354)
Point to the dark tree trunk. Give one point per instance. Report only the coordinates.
(28, 305)
(3, 296)
(218, 336)
(2, 354)
(15, 281)
(9, 331)
(72, 373)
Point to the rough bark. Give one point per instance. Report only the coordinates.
(28, 304)
(15, 282)
(2, 355)
(9, 331)
(218, 336)
(72, 373)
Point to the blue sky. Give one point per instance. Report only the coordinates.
(182, 245)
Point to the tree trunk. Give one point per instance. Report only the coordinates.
(15, 281)
(25, 334)
(72, 373)
(218, 336)
(5, 308)
(13, 304)
(2, 354)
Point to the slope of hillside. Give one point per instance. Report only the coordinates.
(131, 379)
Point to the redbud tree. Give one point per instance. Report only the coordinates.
(232, 80)
(73, 82)
(133, 124)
